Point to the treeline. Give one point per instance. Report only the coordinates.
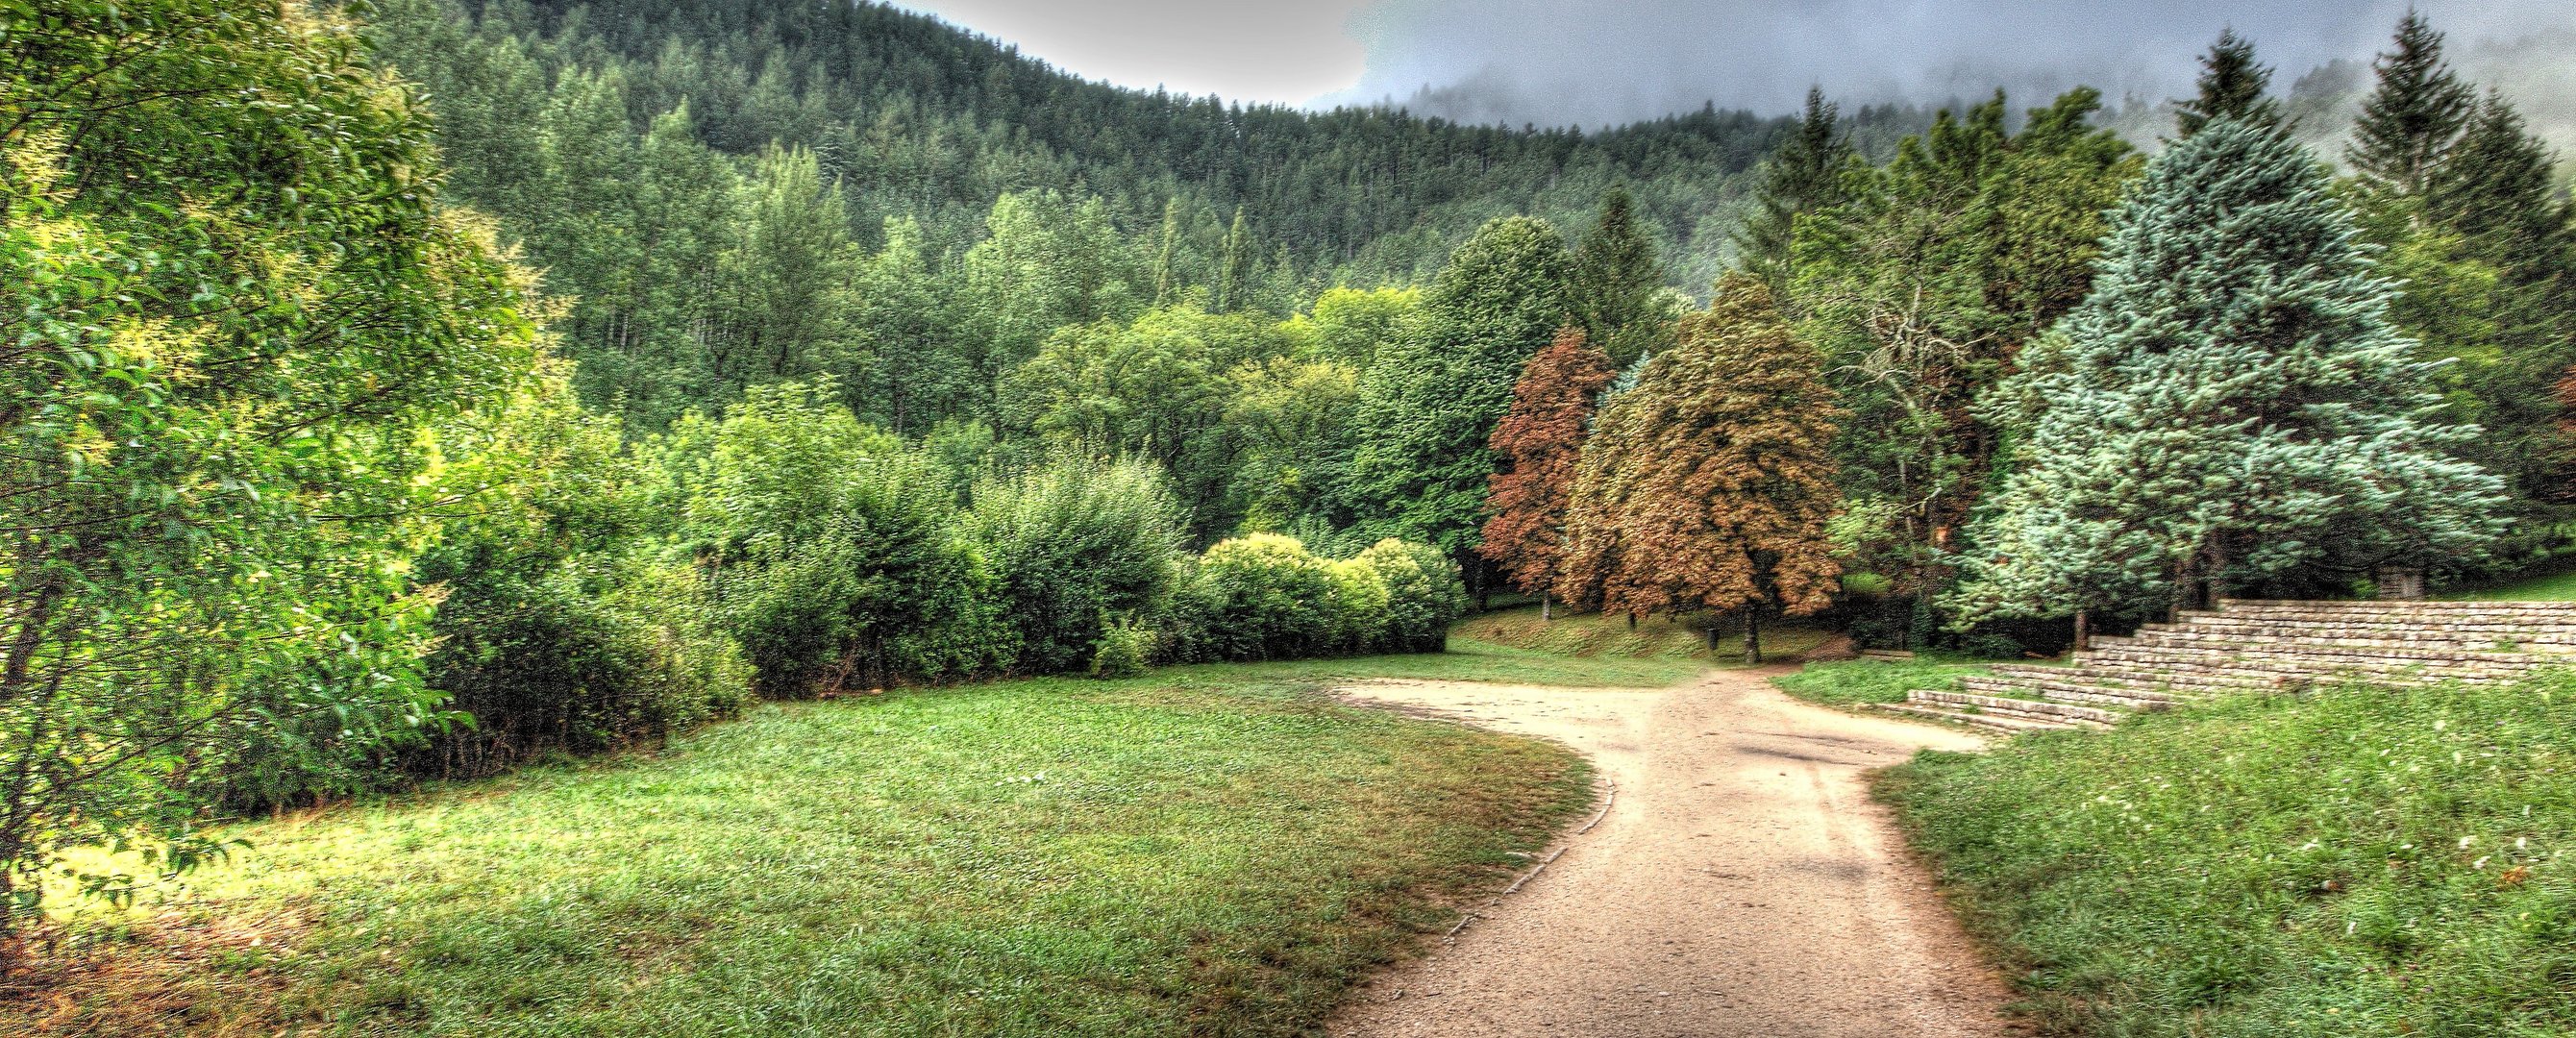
(729, 193)
(2009, 378)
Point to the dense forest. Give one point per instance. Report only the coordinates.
(491, 383)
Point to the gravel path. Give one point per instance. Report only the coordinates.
(1741, 884)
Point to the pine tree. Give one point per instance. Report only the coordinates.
(2496, 190)
(1708, 486)
(1616, 276)
(2229, 407)
(2232, 86)
(1803, 176)
(2414, 116)
(1538, 441)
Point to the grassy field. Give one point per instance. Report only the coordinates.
(2355, 862)
(1594, 637)
(1204, 851)
(1862, 681)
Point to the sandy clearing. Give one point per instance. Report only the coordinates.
(1742, 883)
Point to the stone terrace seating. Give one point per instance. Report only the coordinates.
(2251, 645)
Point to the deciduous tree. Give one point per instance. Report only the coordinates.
(1538, 441)
(1708, 487)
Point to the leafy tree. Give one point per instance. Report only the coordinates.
(1288, 419)
(2267, 421)
(788, 276)
(224, 376)
(1424, 594)
(1922, 290)
(1351, 325)
(1804, 175)
(2414, 116)
(1708, 487)
(2232, 86)
(1539, 440)
(1428, 404)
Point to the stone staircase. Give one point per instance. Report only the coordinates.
(2249, 645)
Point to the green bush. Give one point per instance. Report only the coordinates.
(1424, 594)
(1273, 599)
(1074, 543)
(1122, 650)
(2353, 862)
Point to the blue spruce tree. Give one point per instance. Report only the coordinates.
(2229, 407)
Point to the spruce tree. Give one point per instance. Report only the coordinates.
(2232, 86)
(1538, 441)
(2414, 116)
(1803, 176)
(2230, 405)
(1616, 276)
(1709, 485)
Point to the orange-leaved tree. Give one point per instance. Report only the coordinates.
(1538, 440)
(1708, 486)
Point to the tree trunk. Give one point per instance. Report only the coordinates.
(1712, 639)
(2083, 629)
(1753, 638)
(1632, 621)
(1545, 602)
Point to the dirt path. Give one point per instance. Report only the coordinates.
(1741, 884)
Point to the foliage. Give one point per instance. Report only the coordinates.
(1124, 650)
(1709, 485)
(1617, 280)
(1923, 288)
(1428, 404)
(2412, 119)
(222, 382)
(1862, 681)
(1538, 441)
(1807, 173)
(1077, 545)
(2269, 420)
(1423, 591)
(2356, 861)
(2232, 86)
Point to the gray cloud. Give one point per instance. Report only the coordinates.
(1515, 61)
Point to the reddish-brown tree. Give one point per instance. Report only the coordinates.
(1539, 440)
(1707, 487)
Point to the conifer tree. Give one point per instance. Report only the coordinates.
(1803, 176)
(1538, 441)
(2414, 116)
(2232, 86)
(1616, 277)
(2230, 406)
(1709, 485)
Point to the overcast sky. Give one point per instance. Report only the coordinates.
(1556, 62)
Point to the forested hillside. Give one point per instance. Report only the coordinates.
(632, 147)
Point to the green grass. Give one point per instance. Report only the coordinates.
(1205, 851)
(2557, 587)
(1594, 638)
(2353, 862)
(1863, 681)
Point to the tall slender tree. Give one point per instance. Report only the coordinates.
(1538, 442)
(2413, 117)
(1803, 176)
(1616, 277)
(1707, 488)
(2232, 86)
(2266, 424)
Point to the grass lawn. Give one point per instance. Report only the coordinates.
(2558, 587)
(1862, 681)
(1203, 851)
(2352, 862)
(1592, 637)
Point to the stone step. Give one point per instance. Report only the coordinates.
(2382, 606)
(1998, 722)
(2037, 709)
(2503, 638)
(2067, 690)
